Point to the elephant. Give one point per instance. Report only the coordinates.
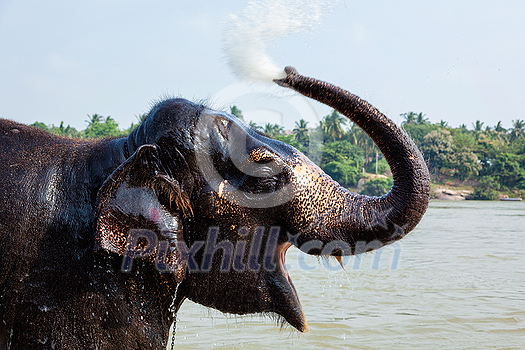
(101, 241)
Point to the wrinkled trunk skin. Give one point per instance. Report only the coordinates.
(362, 223)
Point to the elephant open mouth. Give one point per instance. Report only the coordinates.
(262, 283)
(288, 304)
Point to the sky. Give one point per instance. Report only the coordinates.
(453, 60)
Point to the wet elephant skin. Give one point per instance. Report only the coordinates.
(189, 176)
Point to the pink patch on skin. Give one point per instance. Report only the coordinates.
(154, 214)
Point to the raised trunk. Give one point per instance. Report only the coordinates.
(359, 220)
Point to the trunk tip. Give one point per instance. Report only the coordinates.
(289, 70)
(302, 327)
(287, 81)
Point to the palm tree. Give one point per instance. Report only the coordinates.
(359, 138)
(499, 128)
(500, 132)
(491, 134)
(421, 120)
(477, 128)
(94, 119)
(410, 118)
(478, 125)
(301, 132)
(331, 125)
(273, 129)
(414, 118)
(255, 125)
(350, 134)
(518, 130)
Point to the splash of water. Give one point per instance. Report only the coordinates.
(248, 34)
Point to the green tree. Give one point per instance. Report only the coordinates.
(488, 189)
(465, 164)
(410, 118)
(255, 126)
(141, 117)
(377, 187)
(94, 119)
(506, 169)
(421, 119)
(464, 160)
(40, 125)
(301, 132)
(343, 162)
(236, 112)
(518, 130)
(463, 139)
(382, 167)
(478, 129)
(332, 125)
(499, 127)
(418, 131)
(358, 137)
(492, 155)
(102, 128)
(478, 126)
(443, 124)
(273, 130)
(438, 147)
(289, 139)
(62, 130)
(347, 172)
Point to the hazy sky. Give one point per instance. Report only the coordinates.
(454, 60)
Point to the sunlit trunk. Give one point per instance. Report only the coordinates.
(361, 220)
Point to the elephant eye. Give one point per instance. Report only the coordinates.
(261, 183)
(264, 179)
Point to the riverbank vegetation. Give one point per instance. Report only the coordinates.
(489, 160)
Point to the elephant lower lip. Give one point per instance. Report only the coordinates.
(288, 305)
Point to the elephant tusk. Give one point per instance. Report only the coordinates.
(340, 261)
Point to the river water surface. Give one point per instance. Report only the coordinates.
(456, 282)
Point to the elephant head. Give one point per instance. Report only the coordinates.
(227, 201)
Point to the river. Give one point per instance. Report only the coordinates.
(456, 282)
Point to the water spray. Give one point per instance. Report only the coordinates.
(249, 34)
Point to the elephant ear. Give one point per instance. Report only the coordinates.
(143, 194)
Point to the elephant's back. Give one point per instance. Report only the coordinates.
(16, 138)
(26, 155)
(26, 149)
(31, 170)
